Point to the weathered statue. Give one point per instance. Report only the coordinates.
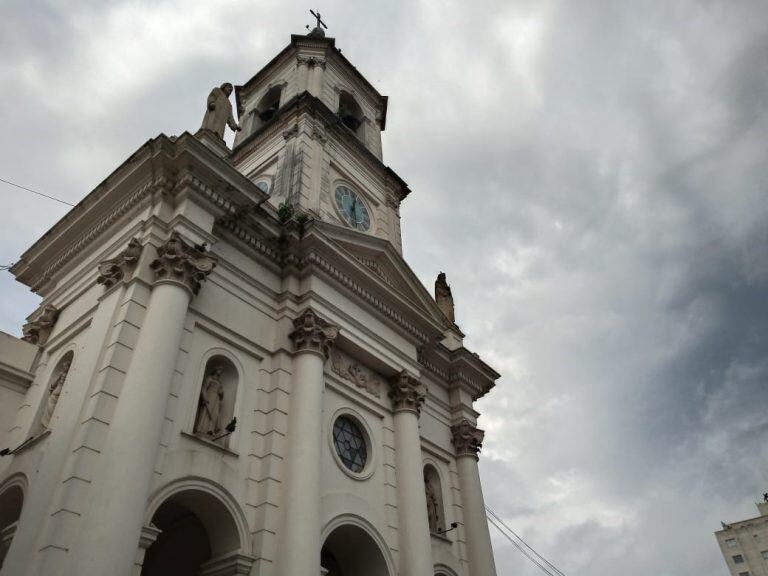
(54, 391)
(219, 112)
(443, 297)
(209, 409)
(432, 506)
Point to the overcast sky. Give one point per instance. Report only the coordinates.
(590, 175)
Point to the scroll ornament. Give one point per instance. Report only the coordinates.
(178, 261)
(114, 270)
(310, 332)
(467, 438)
(38, 330)
(407, 393)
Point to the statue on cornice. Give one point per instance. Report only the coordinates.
(54, 391)
(443, 297)
(210, 404)
(219, 112)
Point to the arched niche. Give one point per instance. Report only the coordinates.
(349, 550)
(11, 504)
(55, 386)
(193, 531)
(267, 107)
(350, 113)
(216, 399)
(435, 503)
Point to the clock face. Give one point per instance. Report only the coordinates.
(352, 208)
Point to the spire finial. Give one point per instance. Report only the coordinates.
(318, 29)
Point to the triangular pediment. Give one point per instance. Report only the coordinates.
(380, 259)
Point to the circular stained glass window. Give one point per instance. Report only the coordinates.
(350, 443)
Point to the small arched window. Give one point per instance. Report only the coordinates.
(267, 107)
(11, 502)
(53, 391)
(434, 493)
(350, 113)
(216, 401)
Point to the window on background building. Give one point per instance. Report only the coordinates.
(738, 559)
(764, 554)
(743, 573)
(731, 542)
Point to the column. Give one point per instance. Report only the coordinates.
(299, 553)
(113, 523)
(467, 439)
(413, 525)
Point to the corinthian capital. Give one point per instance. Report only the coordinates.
(37, 330)
(310, 332)
(179, 262)
(467, 438)
(115, 269)
(407, 393)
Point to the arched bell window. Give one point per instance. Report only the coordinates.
(216, 400)
(350, 113)
(434, 494)
(267, 107)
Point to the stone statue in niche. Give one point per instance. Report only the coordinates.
(432, 506)
(54, 391)
(209, 409)
(218, 115)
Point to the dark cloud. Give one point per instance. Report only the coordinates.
(592, 177)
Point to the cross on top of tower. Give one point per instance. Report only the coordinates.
(318, 29)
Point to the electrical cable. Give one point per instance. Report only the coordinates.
(522, 550)
(547, 562)
(35, 192)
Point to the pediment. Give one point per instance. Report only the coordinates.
(386, 265)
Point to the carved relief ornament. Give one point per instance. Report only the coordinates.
(467, 438)
(38, 330)
(115, 269)
(179, 262)
(312, 333)
(407, 393)
(356, 373)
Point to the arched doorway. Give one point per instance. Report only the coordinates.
(11, 502)
(197, 535)
(351, 551)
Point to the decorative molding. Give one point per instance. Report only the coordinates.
(230, 564)
(356, 373)
(318, 133)
(312, 333)
(407, 393)
(179, 262)
(291, 132)
(467, 438)
(115, 269)
(310, 61)
(38, 330)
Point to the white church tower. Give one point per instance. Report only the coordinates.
(233, 370)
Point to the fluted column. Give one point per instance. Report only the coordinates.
(467, 440)
(299, 553)
(113, 522)
(407, 395)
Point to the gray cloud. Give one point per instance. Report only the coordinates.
(591, 176)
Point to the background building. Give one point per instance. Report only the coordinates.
(744, 544)
(233, 370)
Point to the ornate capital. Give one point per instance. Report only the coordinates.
(36, 331)
(312, 333)
(407, 393)
(114, 270)
(467, 438)
(179, 262)
(310, 61)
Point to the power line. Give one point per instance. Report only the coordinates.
(522, 550)
(547, 562)
(35, 192)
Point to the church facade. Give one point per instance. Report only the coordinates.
(233, 370)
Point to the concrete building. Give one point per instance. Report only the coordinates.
(744, 544)
(233, 370)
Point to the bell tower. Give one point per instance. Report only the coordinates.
(311, 138)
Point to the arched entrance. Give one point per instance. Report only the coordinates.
(194, 532)
(11, 502)
(350, 551)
